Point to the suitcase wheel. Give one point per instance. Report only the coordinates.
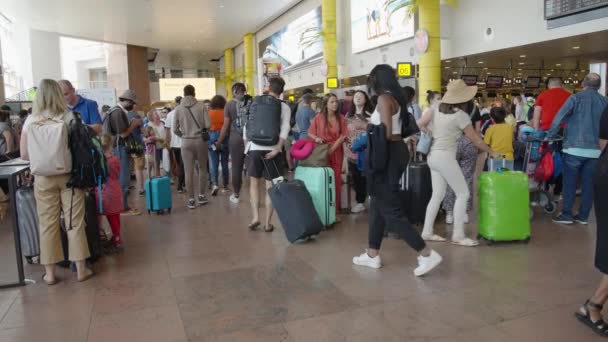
(29, 260)
(169, 210)
(550, 208)
(148, 212)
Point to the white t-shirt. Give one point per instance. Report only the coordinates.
(176, 142)
(284, 133)
(159, 131)
(447, 129)
(376, 120)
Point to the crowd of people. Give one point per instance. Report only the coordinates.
(205, 141)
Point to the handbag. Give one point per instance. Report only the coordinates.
(318, 158)
(204, 131)
(133, 146)
(424, 144)
(410, 127)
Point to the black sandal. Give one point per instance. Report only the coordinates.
(269, 228)
(599, 327)
(253, 226)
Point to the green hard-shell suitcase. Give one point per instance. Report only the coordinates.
(504, 206)
(320, 183)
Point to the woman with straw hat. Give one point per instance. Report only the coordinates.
(447, 125)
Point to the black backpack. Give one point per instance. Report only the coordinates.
(264, 120)
(89, 165)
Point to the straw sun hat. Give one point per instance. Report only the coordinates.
(459, 92)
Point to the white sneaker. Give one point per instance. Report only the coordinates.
(427, 264)
(449, 218)
(234, 199)
(191, 204)
(360, 207)
(365, 260)
(215, 190)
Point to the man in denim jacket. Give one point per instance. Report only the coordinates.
(581, 113)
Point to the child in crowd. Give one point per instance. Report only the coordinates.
(111, 194)
(150, 142)
(499, 137)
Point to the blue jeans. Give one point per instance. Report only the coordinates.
(125, 173)
(214, 163)
(575, 168)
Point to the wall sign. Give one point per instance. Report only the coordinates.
(405, 70)
(332, 82)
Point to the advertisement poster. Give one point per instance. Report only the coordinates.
(269, 68)
(379, 22)
(297, 43)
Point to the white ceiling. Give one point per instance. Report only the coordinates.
(180, 27)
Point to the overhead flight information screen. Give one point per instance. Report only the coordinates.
(562, 8)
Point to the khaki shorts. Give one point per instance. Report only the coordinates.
(139, 162)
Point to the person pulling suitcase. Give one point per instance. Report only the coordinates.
(265, 133)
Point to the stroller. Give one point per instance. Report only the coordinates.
(542, 163)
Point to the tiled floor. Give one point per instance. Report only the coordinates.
(201, 276)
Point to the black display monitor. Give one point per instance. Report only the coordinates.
(494, 82)
(533, 82)
(470, 80)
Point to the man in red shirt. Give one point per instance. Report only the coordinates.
(549, 102)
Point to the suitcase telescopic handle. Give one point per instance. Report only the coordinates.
(331, 197)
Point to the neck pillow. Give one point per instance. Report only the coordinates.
(302, 149)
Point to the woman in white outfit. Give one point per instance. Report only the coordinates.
(447, 125)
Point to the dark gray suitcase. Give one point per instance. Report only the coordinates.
(28, 223)
(295, 209)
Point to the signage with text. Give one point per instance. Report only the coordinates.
(405, 70)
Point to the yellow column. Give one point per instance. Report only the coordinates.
(430, 63)
(330, 43)
(228, 71)
(249, 63)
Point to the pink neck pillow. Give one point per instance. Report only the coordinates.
(302, 148)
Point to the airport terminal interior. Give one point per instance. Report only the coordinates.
(435, 169)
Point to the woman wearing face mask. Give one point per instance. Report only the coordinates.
(356, 122)
(329, 127)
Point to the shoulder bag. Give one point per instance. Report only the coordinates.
(204, 131)
(426, 141)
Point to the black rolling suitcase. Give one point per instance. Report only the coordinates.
(417, 190)
(91, 227)
(295, 209)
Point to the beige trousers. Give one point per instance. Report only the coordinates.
(52, 195)
(195, 150)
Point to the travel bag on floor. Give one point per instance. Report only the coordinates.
(28, 223)
(320, 184)
(417, 190)
(504, 206)
(158, 194)
(295, 209)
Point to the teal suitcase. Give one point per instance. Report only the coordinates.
(320, 183)
(504, 206)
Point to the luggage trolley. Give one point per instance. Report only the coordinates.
(537, 147)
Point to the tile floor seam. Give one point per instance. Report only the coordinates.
(177, 304)
(90, 318)
(7, 311)
(528, 314)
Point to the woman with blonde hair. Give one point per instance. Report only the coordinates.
(50, 188)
